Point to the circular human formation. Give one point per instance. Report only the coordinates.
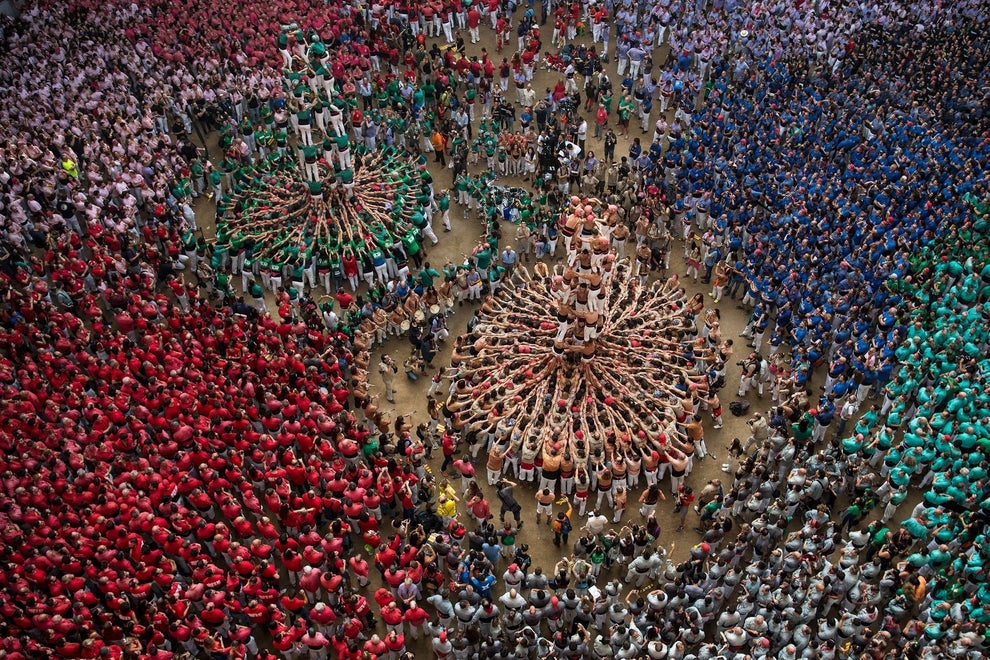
(584, 358)
(371, 204)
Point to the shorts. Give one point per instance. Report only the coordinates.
(544, 508)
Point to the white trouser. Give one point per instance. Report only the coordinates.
(430, 234)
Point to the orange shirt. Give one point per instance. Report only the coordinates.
(439, 142)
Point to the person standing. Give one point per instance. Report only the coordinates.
(443, 205)
(466, 469)
(508, 258)
(847, 412)
(387, 368)
(610, 141)
(448, 445)
(601, 120)
(685, 500)
(473, 22)
(621, 500)
(649, 499)
(523, 242)
(759, 429)
(508, 499)
(439, 143)
(544, 504)
(562, 527)
(496, 460)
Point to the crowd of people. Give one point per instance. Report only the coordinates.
(186, 475)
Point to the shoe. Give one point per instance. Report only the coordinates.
(390, 400)
(725, 468)
(717, 426)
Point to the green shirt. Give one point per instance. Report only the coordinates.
(427, 276)
(483, 259)
(411, 244)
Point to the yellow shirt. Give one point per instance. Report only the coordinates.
(447, 509)
(69, 166)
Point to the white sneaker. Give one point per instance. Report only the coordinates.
(725, 467)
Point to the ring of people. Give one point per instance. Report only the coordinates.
(583, 366)
(315, 211)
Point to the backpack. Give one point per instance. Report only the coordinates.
(739, 408)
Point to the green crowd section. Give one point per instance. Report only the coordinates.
(944, 366)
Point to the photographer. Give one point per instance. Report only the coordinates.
(759, 430)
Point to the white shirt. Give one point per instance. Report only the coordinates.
(596, 524)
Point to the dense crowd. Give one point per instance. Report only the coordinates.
(186, 475)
